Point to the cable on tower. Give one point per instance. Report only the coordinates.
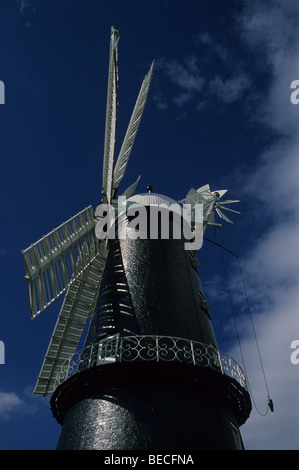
(270, 404)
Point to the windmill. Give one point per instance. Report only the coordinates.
(73, 259)
(70, 259)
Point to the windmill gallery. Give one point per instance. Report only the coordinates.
(150, 366)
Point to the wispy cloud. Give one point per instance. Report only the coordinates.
(160, 101)
(26, 9)
(231, 89)
(271, 264)
(274, 34)
(195, 84)
(185, 75)
(9, 403)
(271, 267)
(6, 251)
(216, 48)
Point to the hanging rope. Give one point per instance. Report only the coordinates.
(270, 402)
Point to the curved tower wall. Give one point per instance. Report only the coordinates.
(150, 288)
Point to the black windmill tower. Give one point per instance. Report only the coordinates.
(149, 375)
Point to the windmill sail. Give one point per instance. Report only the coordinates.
(54, 262)
(111, 119)
(126, 148)
(210, 202)
(78, 306)
(71, 258)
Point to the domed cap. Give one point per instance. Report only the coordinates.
(152, 199)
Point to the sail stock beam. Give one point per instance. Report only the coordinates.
(111, 119)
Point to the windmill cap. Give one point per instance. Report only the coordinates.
(151, 199)
(159, 201)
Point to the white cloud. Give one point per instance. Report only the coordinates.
(26, 10)
(182, 98)
(25, 7)
(160, 101)
(9, 402)
(275, 183)
(231, 89)
(270, 29)
(274, 33)
(271, 267)
(275, 331)
(214, 47)
(185, 75)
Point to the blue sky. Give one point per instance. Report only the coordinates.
(218, 112)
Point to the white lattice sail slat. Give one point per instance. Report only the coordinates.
(77, 307)
(54, 262)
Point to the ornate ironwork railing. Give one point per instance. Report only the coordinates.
(150, 348)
